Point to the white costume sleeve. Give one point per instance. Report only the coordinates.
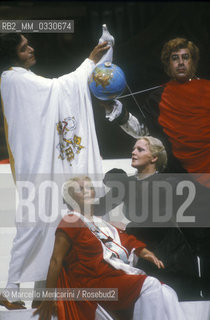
(32, 107)
(82, 73)
(132, 127)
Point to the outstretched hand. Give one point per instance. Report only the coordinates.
(46, 310)
(99, 51)
(150, 256)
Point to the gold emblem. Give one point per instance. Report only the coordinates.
(69, 143)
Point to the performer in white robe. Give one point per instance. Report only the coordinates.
(50, 130)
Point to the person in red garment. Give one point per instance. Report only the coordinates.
(4, 161)
(91, 253)
(177, 112)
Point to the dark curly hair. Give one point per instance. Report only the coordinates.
(8, 48)
(175, 45)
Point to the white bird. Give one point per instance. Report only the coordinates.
(106, 36)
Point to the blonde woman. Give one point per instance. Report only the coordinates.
(91, 253)
(150, 204)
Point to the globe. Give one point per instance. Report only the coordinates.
(107, 81)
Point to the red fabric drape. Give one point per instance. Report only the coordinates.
(185, 118)
(5, 161)
(85, 267)
(71, 309)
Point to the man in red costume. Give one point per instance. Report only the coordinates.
(178, 113)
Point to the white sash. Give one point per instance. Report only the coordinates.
(113, 251)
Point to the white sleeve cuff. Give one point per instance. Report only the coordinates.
(115, 113)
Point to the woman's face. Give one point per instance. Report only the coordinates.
(142, 157)
(83, 192)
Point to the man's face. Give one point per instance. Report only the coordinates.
(25, 54)
(180, 65)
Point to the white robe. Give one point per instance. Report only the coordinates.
(51, 134)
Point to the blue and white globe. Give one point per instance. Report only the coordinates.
(107, 81)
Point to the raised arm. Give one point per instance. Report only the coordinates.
(99, 51)
(61, 248)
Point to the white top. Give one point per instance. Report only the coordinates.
(50, 121)
(51, 135)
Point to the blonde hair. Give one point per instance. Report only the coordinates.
(158, 150)
(69, 186)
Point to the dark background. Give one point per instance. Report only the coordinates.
(140, 29)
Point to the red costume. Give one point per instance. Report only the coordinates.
(185, 118)
(85, 267)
